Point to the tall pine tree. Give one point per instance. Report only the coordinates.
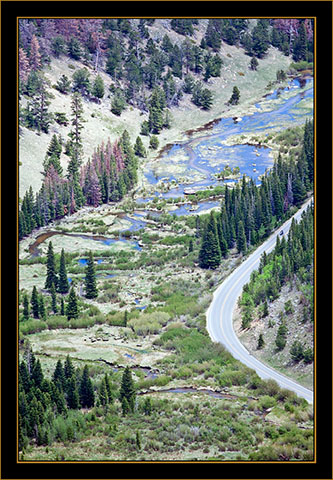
(91, 286)
(86, 391)
(51, 276)
(210, 253)
(63, 285)
(72, 310)
(127, 389)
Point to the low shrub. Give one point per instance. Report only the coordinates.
(32, 326)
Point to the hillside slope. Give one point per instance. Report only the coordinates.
(101, 123)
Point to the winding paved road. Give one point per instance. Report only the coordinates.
(220, 313)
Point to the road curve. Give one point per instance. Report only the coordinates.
(220, 313)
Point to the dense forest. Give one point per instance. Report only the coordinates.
(48, 409)
(108, 176)
(250, 213)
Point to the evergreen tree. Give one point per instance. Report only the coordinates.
(206, 99)
(63, 285)
(127, 390)
(139, 149)
(35, 56)
(280, 340)
(254, 63)
(308, 149)
(261, 341)
(308, 355)
(297, 351)
(144, 128)
(103, 395)
(62, 307)
(210, 253)
(118, 103)
(37, 374)
(72, 306)
(260, 38)
(108, 388)
(125, 406)
(74, 48)
(68, 368)
(73, 399)
(53, 156)
(300, 49)
(241, 238)
(34, 302)
(188, 84)
(98, 87)
(86, 391)
(234, 99)
(51, 276)
(147, 406)
(58, 376)
(25, 307)
(54, 298)
(63, 85)
(138, 440)
(154, 142)
(90, 280)
(75, 138)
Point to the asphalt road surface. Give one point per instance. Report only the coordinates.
(220, 313)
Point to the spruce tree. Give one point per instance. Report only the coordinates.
(139, 149)
(98, 87)
(90, 280)
(63, 85)
(68, 368)
(127, 390)
(86, 391)
(297, 351)
(210, 253)
(241, 238)
(254, 63)
(138, 440)
(234, 99)
(25, 307)
(62, 307)
(37, 374)
(103, 395)
(72, 306)
(54, 298)
(73, 399)
(261, 341)
(108, 388)
(51, 276)
(63, 285)
(58, 376)
(34, 302)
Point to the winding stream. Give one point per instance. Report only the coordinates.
(208, 154)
